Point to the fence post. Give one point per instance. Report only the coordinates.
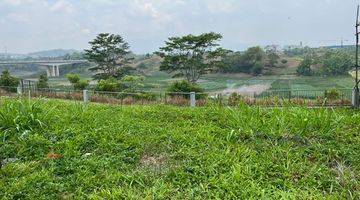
(355, 98)
(19, 90)
(290, 95)
(192, 99)
(86, 96)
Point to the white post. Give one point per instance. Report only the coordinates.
(355, 98)
(192, 99)
(19, 90)
(86, 96)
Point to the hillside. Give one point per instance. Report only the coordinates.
(52, 53)
(59, 150)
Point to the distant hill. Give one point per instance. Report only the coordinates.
(52, 53)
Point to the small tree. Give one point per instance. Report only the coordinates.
(43, 82)
(191, 56)
(111, 54)
(304, 67)
(76, 82)
(8, 82)
(273, 58)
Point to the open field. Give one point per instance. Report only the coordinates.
(62, 150)
(221, 82)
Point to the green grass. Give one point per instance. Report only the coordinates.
(165, 152)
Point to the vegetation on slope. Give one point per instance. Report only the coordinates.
(53, 150)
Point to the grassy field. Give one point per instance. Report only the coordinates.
(62, 150)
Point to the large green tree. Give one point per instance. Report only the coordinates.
(111, 54)
(250, 61)
(336, 63)
(191, 56)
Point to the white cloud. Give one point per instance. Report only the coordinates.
(63, 6)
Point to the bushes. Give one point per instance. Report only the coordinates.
(76, 82)
(234, 99)
(182, 88)
(43, 82)
(332, 94)
(8, 82)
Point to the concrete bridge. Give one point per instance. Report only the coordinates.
(52, 66)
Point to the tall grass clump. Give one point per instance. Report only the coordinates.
(23, 125)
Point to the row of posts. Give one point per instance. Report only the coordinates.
(355, 97)
(192, 98)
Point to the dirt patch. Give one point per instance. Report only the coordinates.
(248, 90)
(153, 162)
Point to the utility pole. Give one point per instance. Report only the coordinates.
(355, 99)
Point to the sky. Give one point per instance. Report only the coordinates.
(35, 25)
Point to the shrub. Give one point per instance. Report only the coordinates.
(43, 82)
(73, 78)
(76, 82)
(81, 85)
(234, 99)
(332, 94)
(8, 82)
(109, 85)
(181, 88)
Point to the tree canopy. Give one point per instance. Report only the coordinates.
(250, 61)
(43, 82)
(8, 82)
(111, 54)
(191, 56)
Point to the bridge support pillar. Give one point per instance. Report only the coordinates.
(57, 71)
(53, 71)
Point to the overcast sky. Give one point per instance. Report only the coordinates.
(33, 25)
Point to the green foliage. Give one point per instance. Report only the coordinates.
(43, 82)
(23, 117)
(336, 63)
(109, 85)
(8, 82)
(284, 61)
(111, 54)
(332, 94)
(192, 56)
(76, 82)
(130, 84)
(304, 67)
(273, 58)
(179, 87)
(234, 99)
(81, 85)
(73, 78)
(165, 152)
(251, 61)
